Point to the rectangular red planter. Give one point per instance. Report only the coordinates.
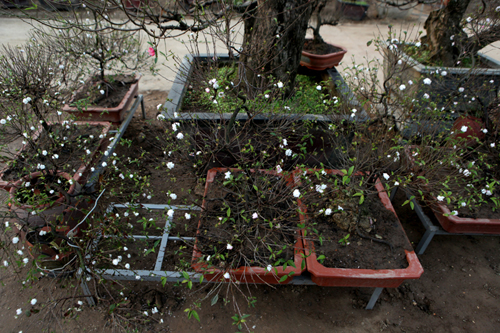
(247, 274)
(456, 224)
(351, 277)
(452, 223)
(114, 115)
(84, 169)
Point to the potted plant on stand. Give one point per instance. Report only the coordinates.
(317, 54)
(350, 213)
(444, 69)
(45, 161)
(107, 92)
(248, 230)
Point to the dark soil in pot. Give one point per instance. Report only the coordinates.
(366, 236)
(47, 188)
(274, 229)
(114, 88)
(319, 48)
(362, 252)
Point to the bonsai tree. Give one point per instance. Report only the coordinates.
(96, 50)
(319, 21)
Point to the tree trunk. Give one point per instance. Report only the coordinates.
(272, 45)
(444, 33)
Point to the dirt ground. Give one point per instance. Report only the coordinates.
(459, 291)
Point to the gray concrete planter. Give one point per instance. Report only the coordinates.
(481, 85)
(173, 105)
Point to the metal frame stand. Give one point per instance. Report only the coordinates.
(430, 228)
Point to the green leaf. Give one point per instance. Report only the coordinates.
(283, 278)
(214, 300)
(351, 169)
(369, 43)
(195, 315)
(361, 199)
(228, 212)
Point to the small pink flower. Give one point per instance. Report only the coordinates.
(151, 51)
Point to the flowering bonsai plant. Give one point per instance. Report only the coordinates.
(47, 158)
(105, 60)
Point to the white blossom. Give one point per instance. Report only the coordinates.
(227, 276)
(402, 87)
(266, 95)
(187, 216)
(288, 152)
(19, 311)
(440, 198)
(170, 165)
(255, 216)
(229, 247)
(279, 169)
(15, 240)
(27, 100)
(455, 213)
(418, 44)
(102, 92)
(464, 129)
(269, 267)
(170, 213)
(180, 136)
(173, 196)
(318, 87)
(160, 117)
(33, 301)
(386, 176)
(328, 211)
(227, 175)
(154, 310)
(340, 208)
(280, 84)
(115, 261)
(469, 19)
(25, 260)
(296, 193)
(127, 266)
(443, 73)
(426, 96)
(427, 81)
(158, 106)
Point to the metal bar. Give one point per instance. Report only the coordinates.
(85, 288)
(156, 206)
(163, 245)
(425, 241)
(374, 298)
(142, 107)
